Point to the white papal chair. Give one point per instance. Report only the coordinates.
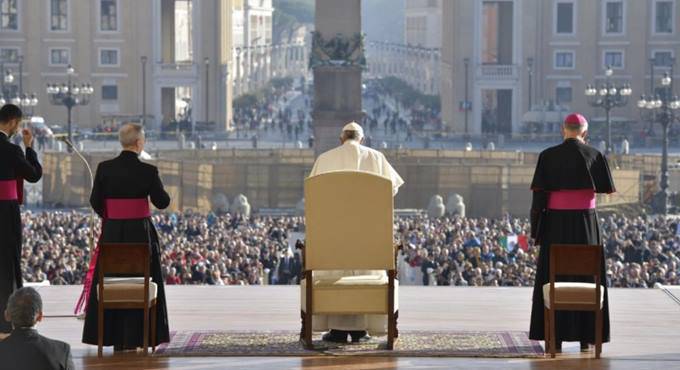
(349, 226)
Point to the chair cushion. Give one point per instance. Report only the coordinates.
(362, 294)
(127, 292)
(124, 280)
(572, 293)
(350, 281)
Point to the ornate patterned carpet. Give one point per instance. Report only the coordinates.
(410, 344)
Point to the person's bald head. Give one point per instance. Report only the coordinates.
(131, 137)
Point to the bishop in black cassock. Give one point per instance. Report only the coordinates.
(576, 168)
(15, 167)
(128, 181)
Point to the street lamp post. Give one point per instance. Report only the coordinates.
(21, 99)
(2, 80)
(7, 78)
(466, 62)
(259, 71)
(608, 96)
(21, 75)
(238, 71)
(143, 60)
(206, 61)
(70, 95)
(663, 107)
(287, 56)
(33, 103)
(530, 70)
(247, 66)
(268, 62)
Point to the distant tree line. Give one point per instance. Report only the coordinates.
(407, 95)
(289, 15)
(255, 98)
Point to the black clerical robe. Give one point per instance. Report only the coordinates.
(126, 177)
(571, 165)
(13, 165)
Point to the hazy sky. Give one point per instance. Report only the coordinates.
(383, 20)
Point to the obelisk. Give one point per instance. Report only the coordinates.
(337, 59)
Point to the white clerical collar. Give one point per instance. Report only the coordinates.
(4, 132)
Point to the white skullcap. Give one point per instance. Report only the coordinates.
(353, 126)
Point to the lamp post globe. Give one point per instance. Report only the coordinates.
(662, 108)
(608, 95)
(69, 95)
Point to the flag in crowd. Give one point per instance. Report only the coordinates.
(511, 242)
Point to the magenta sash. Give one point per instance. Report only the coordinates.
(8, 190)
(571, 200)
(114, 209)
(127, 209)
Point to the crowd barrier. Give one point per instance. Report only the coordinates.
(491, 183)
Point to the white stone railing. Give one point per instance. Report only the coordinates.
(497, 72)
(177, 67)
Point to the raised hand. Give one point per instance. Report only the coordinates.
(27, 135)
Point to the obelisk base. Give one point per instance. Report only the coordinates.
(337, 101)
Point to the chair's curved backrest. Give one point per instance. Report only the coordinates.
(124, 258)
(576, 260)
(349, 222)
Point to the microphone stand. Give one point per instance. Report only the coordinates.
(89, 171)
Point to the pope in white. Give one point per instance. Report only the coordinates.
(353, 156)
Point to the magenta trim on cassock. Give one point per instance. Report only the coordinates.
(572, 199)
(127, 209)
(8, 190)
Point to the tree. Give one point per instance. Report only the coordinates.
(301, 10)
(407, 95)
(246, 101)
(289, 15)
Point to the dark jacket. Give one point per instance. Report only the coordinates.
(26, 349)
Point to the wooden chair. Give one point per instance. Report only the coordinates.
(573, 260)
(349, 226)
(126, 293)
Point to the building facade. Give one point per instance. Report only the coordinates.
(417, 61)
(257, 42)
(192, 46)
(502, 57)
(423, 23)
(418, 66)
(156, 57)
(256, 56)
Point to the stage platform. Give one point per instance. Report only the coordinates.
(645, 327)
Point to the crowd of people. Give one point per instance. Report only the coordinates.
(234, 250)
(273, 113)
(265, 118)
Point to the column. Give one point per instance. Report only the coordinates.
(337, 87)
